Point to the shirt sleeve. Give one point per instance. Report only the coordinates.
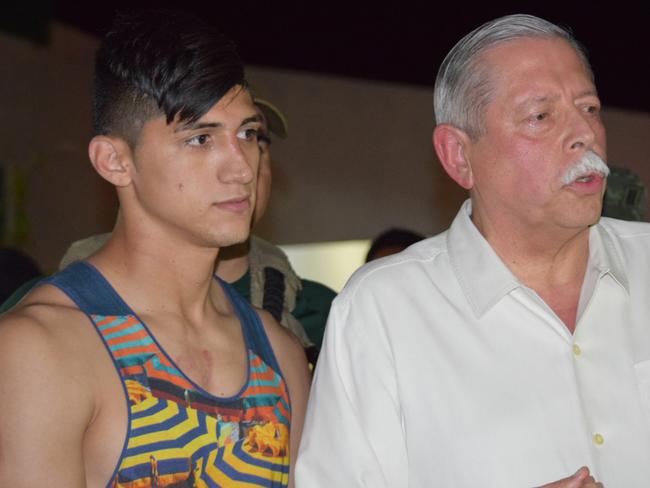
(353, 433)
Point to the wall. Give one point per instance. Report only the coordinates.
(45, 117)
(358, 158)
(628, 143)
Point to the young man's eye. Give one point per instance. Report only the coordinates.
(198, 140)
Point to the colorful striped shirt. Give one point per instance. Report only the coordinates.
(178, 434)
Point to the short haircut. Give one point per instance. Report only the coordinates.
(155, 62)
(463, 86)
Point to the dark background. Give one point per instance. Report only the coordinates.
(399, 43)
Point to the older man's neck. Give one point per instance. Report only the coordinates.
(552, 264)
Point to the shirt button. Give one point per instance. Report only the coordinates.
(599, 440)
(576, 350)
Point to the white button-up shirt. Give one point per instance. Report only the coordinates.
(441, 369)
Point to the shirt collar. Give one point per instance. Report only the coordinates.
(481, 273)
(485, 279)
(604, 256)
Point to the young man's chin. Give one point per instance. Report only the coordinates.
(230, 238)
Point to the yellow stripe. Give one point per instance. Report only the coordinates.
(214, 474)
(161, 455)
(168, 412)
(169, 434)
(244, 467)
(208, 438)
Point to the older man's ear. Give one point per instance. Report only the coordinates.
(450, 144)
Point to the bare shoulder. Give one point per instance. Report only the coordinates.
(44, 365)
(44, 315)
(291, 357)
(45, 330)
(293, 363)
(286, 345)
(37, 316)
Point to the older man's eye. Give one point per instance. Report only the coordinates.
(593, 109)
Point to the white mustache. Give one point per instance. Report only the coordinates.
(590, 162)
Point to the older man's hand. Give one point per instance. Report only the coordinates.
(581, 479)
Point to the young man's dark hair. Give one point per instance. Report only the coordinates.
(160, 62)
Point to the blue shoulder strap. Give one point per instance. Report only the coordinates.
(254, 333)
(89, 290)
(94, 295)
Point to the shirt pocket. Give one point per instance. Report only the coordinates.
(642, 370)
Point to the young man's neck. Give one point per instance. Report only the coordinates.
(157, 273)
(233, 261)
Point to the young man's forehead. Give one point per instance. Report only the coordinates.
(232, 109)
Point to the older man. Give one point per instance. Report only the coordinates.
(514, 348)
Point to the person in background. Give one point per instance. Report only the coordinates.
(625, 196)
(512, 350)
(391, 241)
(137, 367)
(261, 271)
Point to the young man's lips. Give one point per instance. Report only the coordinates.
(235, 204)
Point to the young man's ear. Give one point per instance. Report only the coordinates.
(112, 158)
(450, 144)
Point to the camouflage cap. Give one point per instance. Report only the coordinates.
(275, 120)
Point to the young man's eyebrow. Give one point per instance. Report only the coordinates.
(198, 125)
(213, 125)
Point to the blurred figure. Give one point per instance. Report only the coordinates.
(261, 271)
(17, 271)
(392, 241)
(625, 196)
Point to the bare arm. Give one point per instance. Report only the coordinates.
(44, 411)
(293, 363)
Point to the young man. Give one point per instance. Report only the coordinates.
(259, 270)
(514, 349)
(131, 369)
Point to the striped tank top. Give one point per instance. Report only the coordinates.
(178, 434)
